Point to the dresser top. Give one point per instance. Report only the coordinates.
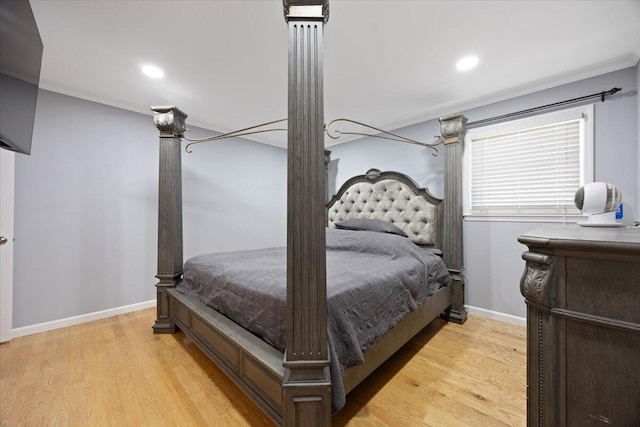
(578, 237)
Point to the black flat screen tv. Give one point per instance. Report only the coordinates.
(20, 61)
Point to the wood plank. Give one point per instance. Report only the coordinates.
(171, 396)
(76, 392)
(111, 390)
(95, 406)
(13, 367)
(155, 413)
(118, 364)
(26, 399)
(59, 411)
(126, 382)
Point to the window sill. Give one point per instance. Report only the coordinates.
(568, 219)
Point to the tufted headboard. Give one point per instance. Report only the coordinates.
(393, 197)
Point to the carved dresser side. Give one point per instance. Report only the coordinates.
(582, 289)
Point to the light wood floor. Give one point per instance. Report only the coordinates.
(116, 372)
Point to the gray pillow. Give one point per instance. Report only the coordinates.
(362, 224)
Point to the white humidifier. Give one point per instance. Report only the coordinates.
(599, 201)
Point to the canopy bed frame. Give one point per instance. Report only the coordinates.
(293, 387)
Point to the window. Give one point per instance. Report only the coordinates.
(529, 168)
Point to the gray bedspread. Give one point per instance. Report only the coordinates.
(373, 280)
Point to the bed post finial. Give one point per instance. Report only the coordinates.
(171, 123)
(295, 9)
(306, 386)
(169, 120)
(453, 129)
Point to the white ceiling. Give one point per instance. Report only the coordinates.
(387, 63)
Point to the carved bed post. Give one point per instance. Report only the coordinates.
(306, 383)
(171, 123)
(453, 129)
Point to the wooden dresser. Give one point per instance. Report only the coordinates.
(582, 288)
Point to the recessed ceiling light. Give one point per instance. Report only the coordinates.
(467, 63)
(152, 71)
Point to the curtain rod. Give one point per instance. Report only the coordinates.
(600, 95)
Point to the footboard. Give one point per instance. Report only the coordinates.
(257, 368)
(251, 363)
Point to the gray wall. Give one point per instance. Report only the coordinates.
(86, 207)
(234, 195)
(492, 253)
(86, 199)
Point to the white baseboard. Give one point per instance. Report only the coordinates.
(76, 320)
(89, 317)
(496, 315)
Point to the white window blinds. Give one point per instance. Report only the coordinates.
(529, 171)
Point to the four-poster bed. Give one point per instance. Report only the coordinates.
(294, 385)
